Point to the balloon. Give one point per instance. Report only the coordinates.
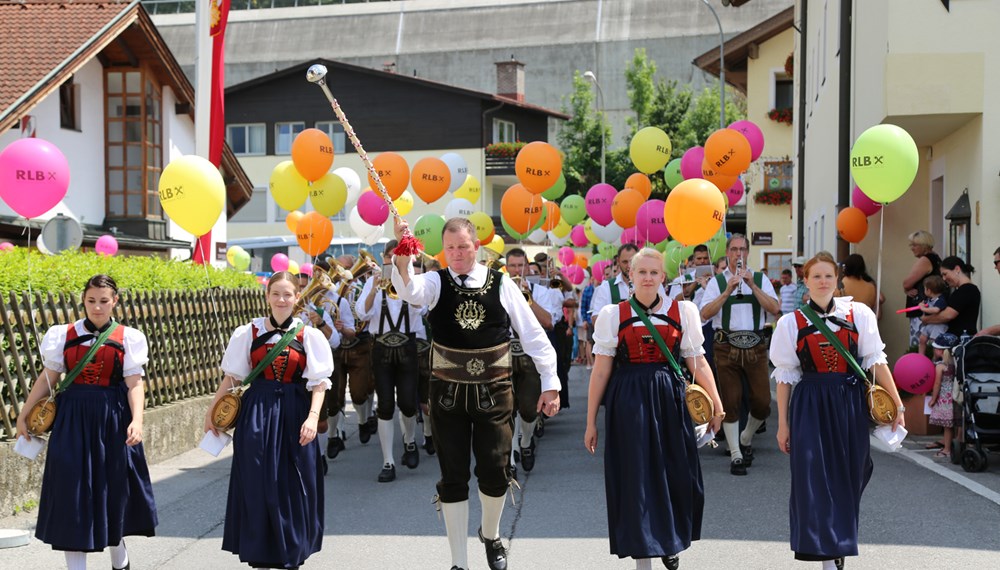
(108, 245)
(575, 274)
(288, 187)
(483, 223)
(599, 200)
(293, 267)
(661, 246)
(538, 166)
(753, 134)
(588, 230)
(649, 221)
(852, 225)
(735, 192)
(193, 194)
(578, 236)
(862, 202)
(361, 228)
(241, 261)
(537, 236)
(625, 205)
(607, 249)
(728, 152)
(6, 246)
(914, 373)
(884, 162)
(573, 209)
(519, 236)
(521, 208)
(458, 170)
(650, 149)
(328, 194)
(558, 241)
(353, 182)
(557, 189)
(694, 211)
(306, 269)
(640, 182)
(633, 237)
(721, 181)
(312, 154)
(292, 220)
(404, 203)
(672, 173)
(552, 216)
(372, 208)
(581, 261)
(279, 262)
(442, 260)
(566, 255)
(314, 233)
(34, 176)
(609, 233)
(717, 245)
(496, 244)
(373, 237)
(393, 172)
(691, 162)
(458, 208)
(470, 190)
(432, 178)
(428, 230)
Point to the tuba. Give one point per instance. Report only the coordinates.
(315, 293)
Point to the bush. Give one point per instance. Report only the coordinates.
(70, 271)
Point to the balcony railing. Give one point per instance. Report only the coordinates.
(499, 165)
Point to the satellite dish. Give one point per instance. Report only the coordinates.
(60, 234)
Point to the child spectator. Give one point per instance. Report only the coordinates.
(787, 291)
(942, 412)
(934, 290)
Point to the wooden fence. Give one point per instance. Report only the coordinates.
(187, 333)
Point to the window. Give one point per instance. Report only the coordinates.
(784, 93)
(504, 131)
(335, 131)
(134, 144)
(284, 134)
(255, 210)
(775, 262)
(69, 105)
(246, 140)
(778, 175)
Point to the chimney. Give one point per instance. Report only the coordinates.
(510, 79)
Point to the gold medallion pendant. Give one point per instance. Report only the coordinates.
(470, 315)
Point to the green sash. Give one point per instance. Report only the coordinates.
(751, 299)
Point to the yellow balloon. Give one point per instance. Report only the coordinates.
(562, 229)
(328, 194)
(231, 254)
(650, 150)
(292, 220)
(589, 232)
(192, 193)
(288, 187)
(404, 203)
(471, 189)
(483, 223)
(293, 267)
(496, 244)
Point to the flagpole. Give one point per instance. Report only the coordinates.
(203, 76)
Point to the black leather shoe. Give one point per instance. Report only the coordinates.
(496, 554)
(762, 428)
(747, 451)
(839, 563)
(540, 427)
(387, 474)
(373, 425)
(517, 456)
(364, 432)
(411, 457)
(429, 445)
(527, 459)
(456, 568)
(672, 562)
(334, 447)
(737, 467)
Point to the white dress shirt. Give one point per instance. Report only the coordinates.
(425, 289)
(602, 294)
(327, 317)
(606, 328)
(741, 316)
(54, 343)
(871, 349)
(319, 360)
(374, 316)
(343, 307)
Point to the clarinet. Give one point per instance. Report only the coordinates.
(739, 271)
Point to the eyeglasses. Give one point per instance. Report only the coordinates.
(996, 262)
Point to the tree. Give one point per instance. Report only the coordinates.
(702, 119)
(640, 89)
(580, 138)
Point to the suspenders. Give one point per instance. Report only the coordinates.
(758, 279)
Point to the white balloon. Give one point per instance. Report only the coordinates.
(376, 235)
(608, 233)
(559, 241)
(361, 228)
(537, 236)
(353, 182)
(458, 208)
(458, 168)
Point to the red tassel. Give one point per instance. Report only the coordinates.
(408, 245)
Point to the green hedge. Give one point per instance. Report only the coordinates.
(70, 271)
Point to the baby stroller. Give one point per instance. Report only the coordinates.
(977, 401)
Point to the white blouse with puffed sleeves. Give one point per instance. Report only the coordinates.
(319, 359)
(54, 343)
(692, 338)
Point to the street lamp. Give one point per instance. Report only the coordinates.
(722, 68)
(600, 94)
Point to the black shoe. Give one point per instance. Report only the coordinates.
(839, 563)
(411, 457)
(762, 428)
(496, 554)
(672, 562)
(373, 424)
(747, 451)
(540, 427)
(387, 474)
(429, 445)
(334, 447)
(326, 465)
(456, 568)
(737, 467)
(364, 432)
(527, 459)
(517, 456)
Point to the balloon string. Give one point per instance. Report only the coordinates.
(27, 228)
(878, 273)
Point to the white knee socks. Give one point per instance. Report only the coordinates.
(753, 424)
(324, 437)
(427, 426)
(513, 442)
(492, 511)
(456, 522)
(527, 430)
(409, 424)
(829, 565)
(732, 431)
(119, 556)
(386, 432)
(76, 560)
(643, 564)
(364, 411)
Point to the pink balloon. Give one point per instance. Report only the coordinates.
(6, 246)
(914, 373)
(691, 162)
(630, 235)
(754, 136)
(598, 271)
(279, 262)
(735, 194)
(306, 268)
(575, 274)
(106, 245)
(599, 199)
(862, 202)
(34, 176)
(566, 255)
(649, 221)
(578, 235)
(373, 209)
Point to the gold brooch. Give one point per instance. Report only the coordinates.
(470, 315)
(475, 366)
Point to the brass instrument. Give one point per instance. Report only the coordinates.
(315, 293)
(363, 266)
(520, 281)
(493, 260)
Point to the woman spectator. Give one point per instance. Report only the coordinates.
(962, 313)
(927, 263)
(860, 286)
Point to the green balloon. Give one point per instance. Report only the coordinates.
(241, 260)
(672, 173)
(608, 250)
(428, 230)
(512, 233)
(717, 246)
(573, 209)
(662, 246)
(884, 162)
(557, 189)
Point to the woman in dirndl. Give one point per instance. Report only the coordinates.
(652, 473)
(274, 515)
(95, 487)
(823, 424)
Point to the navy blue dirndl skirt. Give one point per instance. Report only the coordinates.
(652, 473)
(274, 514)
(95, 489)
(831, 464)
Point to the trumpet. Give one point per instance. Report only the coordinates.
(520, 282)
(385, 284)
(315, 293)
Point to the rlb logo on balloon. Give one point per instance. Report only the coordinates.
(537, 171)
(432, 177)
(171, 192)
(316, 192)
(861, 161)
(326, 149)
(36, 175)
(717, 215)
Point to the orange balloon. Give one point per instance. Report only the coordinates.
(625, 206)
(441, 259)
(728, 152)
(721, 181)
(431, 179)
(393, 172)
(489, 238)
(314, 233)
(312, 154)
(581, 260)
(640, 182)
(694, 211)
(552, 217)
(292, 220)
(852, 224)
(538, 165)
(521, 208)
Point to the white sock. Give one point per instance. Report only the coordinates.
(643, 564)
(386, 431)
(456, 522)
(427, 426)
(76, 560)
(364, 411)
(324, 438)
(119, 555)
(513, 444)
(527, 430)
(732, 431)
(746, 438)
(409, 424)
(492, 511)
(333, 425)
(829, 565)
